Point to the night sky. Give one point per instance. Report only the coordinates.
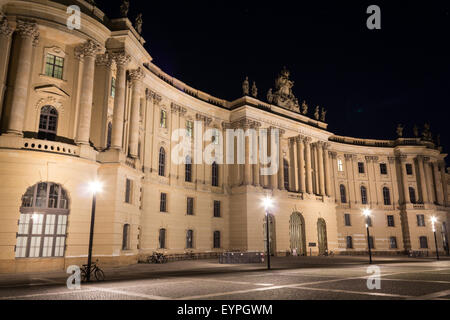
(369, 80)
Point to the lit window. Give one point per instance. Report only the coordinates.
(340, 165)
(113, 87)
(43, 222)
(163, 119)
(54, 66)
(189, 128)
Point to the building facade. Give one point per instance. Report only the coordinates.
(85, 104)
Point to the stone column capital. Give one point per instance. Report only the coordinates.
(88, 49)
(177, 108)
(307, 140)
(121, 57)
(104, 60)
(136, 74)
(332, 154)
(27, 29)
(5, 28)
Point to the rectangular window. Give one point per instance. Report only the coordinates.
(163, 203)
(216, 137)
(189, 128)
(59, 246)
(340, 165)
(21, 247)
(189, 239)
(54, 66)
(190, 206)
(409, 169)
(420, 220)
(162, 238)
(390, 220)
(349, 242)
(383, 168)
(128, 191)
(393, 242)
(216, 239)
(163, 119)
(216, 209)
(113, 87)
(361, 168)
(423, 242)
(347, 219)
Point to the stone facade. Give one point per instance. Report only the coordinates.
(115, 110)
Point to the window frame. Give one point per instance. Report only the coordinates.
(412, 195)
(217, 240)
(383, 169)
(349, 242)
(387, 196)
(390, 220)
(340, 165)
(163, 202)
(423, 245)
(347, 220)
(217, 209)
(188, 169)
(54, 68)
(421, 220)
(190, 239)
(343, 193)
(393, 244)
(162, 236)
(128, 191)
(48, 116)
(126, 236)
(163, 119)
(189, 206)
(364, 198)
(361, 168)
(409, 169)
(162, 162)
(215, 174)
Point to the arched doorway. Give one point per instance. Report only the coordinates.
(297, 233)
(272, 235)
(322, 236)
(43, 222)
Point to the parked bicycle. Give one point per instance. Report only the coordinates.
(157, 257)
(95, 271)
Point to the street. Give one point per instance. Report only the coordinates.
(292, 278)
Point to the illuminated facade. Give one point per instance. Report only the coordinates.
(87, 104)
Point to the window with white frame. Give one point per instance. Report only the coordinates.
(42, 226)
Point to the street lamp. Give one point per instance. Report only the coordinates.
(433, 224)
(95, 187)
(367, 213)
(267, 204)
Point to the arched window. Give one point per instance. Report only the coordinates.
(126, 237)
(48, 123)
(412, 195)
(215, 175)
(109, 136)
(343, 194)
(286, 174)
(363, 195)
(43, 222)
(162, 162)
(188, 170)
(386, 196)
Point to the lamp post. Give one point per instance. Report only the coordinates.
(267, 205)
(433, 224)
(95, 188)
(366, 213)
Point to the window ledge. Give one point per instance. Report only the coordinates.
(44, 76)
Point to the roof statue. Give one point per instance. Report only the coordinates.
(317, 113)
(400, 131)
(416, 131)
(283, 96)
(323, 115)
(304, 108)
(245, 87)
(254, 90)
(124, 7)
(138, 23)
(426, 134)
(270, 96)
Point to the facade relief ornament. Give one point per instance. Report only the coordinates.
(88, 49)
(245, 123)
(283, 96)
(27, 29)
(50, 101)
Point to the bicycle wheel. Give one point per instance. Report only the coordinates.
(99, 275)
(83, 275)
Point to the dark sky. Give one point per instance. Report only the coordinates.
(368, 80)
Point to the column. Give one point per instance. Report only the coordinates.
(5, 43)
(301, 163)
(247, 166)
(395, 182)
(438, 184)
(293, 178)
(256, 167)
(406, 199)
(136, 77)
(320, 159)
(27, 33)
(122, 60)
(281, 164)
(316, 168)
(429, 179)
(87, 51)
(309, 182)
(444, 183)
(423, 182)
(327, 170)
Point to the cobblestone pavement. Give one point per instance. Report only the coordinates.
(292, 278)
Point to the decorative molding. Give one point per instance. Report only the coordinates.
(372, 158)
(50, 101)
(88, 49)
(205, 119)
(151, 95)
(351, 156)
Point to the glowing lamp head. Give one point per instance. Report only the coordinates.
(366, 212)
(95, 186)
(433, 220)
(267, 202)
